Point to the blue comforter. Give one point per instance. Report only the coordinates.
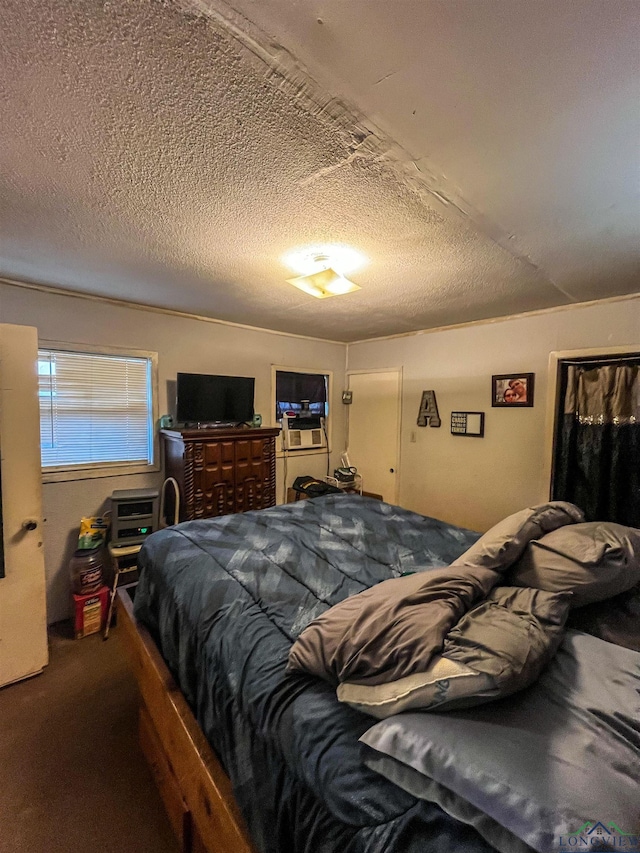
(225, 599)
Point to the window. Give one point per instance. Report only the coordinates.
(96, 411)
(295, 389)
(306, 392)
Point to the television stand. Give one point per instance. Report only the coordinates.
(209, 426)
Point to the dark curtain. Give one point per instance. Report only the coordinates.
(293, 388)
(597, 455)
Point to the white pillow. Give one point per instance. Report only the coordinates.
(444, 682)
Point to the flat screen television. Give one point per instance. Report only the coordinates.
(204, 399)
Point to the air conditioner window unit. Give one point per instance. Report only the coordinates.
(303, 433)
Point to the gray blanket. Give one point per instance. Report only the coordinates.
(459, 635)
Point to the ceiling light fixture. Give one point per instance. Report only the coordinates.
(339, 257)
(324, 283)
(324, 270)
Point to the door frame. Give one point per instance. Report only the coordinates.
(553, 393)
(349, 372)
(23, 587)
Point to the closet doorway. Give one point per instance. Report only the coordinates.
(596, 442)
(374, 429)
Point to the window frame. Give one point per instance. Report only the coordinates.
(316, 451)
(97, 470)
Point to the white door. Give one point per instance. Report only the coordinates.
(23, 623)
(374, 430)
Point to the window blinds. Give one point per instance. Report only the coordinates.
(94, 409)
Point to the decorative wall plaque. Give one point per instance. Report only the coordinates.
(428, 413)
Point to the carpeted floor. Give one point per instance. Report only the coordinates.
(72, 777)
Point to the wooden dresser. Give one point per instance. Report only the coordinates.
(220, 471)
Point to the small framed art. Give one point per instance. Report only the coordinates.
(467, 423)
(512, 389)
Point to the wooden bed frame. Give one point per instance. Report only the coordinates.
(196, 792)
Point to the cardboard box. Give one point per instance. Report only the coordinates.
(90, 612)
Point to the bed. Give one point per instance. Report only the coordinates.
(250, 757)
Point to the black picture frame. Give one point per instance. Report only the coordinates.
(512, 390)
(470, 424)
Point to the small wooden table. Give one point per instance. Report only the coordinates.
(293, 496)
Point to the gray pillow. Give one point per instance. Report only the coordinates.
(594, 560)
(444, 683)
(539, 763)
(504, 543)
(616, 620)
(424, 788)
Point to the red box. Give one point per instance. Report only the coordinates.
(91, 612)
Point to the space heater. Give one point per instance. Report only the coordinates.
(134, 515)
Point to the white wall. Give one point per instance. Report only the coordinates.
(476, 481)
(468, 481)
(183, 344)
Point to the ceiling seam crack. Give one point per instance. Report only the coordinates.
(432, 189)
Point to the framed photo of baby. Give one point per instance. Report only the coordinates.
(512, 389)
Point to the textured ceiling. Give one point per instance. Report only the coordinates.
(483, 155)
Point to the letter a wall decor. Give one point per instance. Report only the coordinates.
(428, 413)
